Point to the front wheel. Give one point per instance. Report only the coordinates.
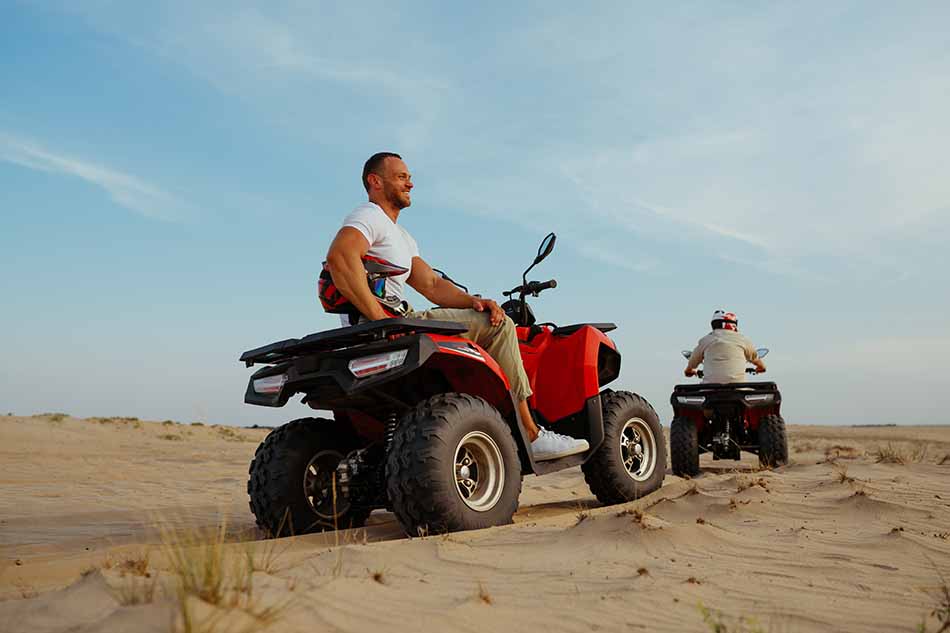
(631, 461)
(453, 465)
(773, 444)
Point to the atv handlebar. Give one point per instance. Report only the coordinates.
(748, 370)
(532, 288)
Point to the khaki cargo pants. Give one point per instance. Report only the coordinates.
(500, 341)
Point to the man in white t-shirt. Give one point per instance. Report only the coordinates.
(372, 229)
(724, 352)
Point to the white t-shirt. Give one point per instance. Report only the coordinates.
(387, 240)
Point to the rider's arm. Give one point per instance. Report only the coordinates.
(752, 356)
(344, 259)
(445, 294)
(694, 360)
(433, 287)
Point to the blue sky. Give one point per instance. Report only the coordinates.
(171, 175)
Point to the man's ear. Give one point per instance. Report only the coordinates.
(375, 182)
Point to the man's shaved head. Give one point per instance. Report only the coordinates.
(374, 165)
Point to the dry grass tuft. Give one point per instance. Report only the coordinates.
(693, 580)
(941, 610)
(718, 623)
(744, 482)
(171, 437)
(700, 520)
(841, 473)
(838, 451)
(643, 571)
(581, 517)
(207, 570)
(229, 434)
(889, 455)
(483, 596)
(944, 460)
(860, 492)
(378, 575)
(54, 417)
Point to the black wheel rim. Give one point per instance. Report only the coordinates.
(320, 486)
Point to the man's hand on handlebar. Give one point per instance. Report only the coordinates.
(690, 372)
(495, 314)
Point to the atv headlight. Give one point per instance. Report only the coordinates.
(270, 384)
(760, 397)
(691, 399)
(369, 365)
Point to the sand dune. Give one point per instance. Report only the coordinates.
(846, 538)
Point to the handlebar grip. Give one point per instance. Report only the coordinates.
(544, 285)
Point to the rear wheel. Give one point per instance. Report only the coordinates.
(631, 461)
(684, 447)
(773, 444)
(292, 484)
(453, 465)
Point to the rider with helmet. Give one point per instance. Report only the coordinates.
(724, 352)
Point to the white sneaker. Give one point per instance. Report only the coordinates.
(551, 445)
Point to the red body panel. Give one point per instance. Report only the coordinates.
(562, 370)
(470, 369)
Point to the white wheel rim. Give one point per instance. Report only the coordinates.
(638, 449)
(479, 471)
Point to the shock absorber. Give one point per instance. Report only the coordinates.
(390, 431)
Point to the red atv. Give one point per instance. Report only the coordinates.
(424, 422)
(725, 419)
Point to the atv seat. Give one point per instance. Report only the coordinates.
(347, 337)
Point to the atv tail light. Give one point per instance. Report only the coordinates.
(691, 399)
(270, 384)
(760, 397)
(369, 365)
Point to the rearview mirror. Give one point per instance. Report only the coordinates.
(686, 354)
(547, 245)
(762, 352)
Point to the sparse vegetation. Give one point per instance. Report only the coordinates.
(229, 434)
(643, 571)
(841, 473)
(892, 455)
(838, 451)
(378, 575)
(171, 437)
(54, 417)
(941, 610)
(744, 482)
(581, 517)
(483, 595)
(206, 570)
(718, 623)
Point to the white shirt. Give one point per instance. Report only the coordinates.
(387, 240)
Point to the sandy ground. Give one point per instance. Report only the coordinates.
(836, 541)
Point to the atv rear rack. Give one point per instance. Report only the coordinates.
(341, 338)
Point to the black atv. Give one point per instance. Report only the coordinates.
(725, 419)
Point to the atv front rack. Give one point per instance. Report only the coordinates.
(347, 337)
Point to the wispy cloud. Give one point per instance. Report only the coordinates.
(126, 190)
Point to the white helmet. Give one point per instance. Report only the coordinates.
(726, 320)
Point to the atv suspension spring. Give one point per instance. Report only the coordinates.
(390, 430)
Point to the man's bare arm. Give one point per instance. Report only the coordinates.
(344, 259)
(445, 294)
